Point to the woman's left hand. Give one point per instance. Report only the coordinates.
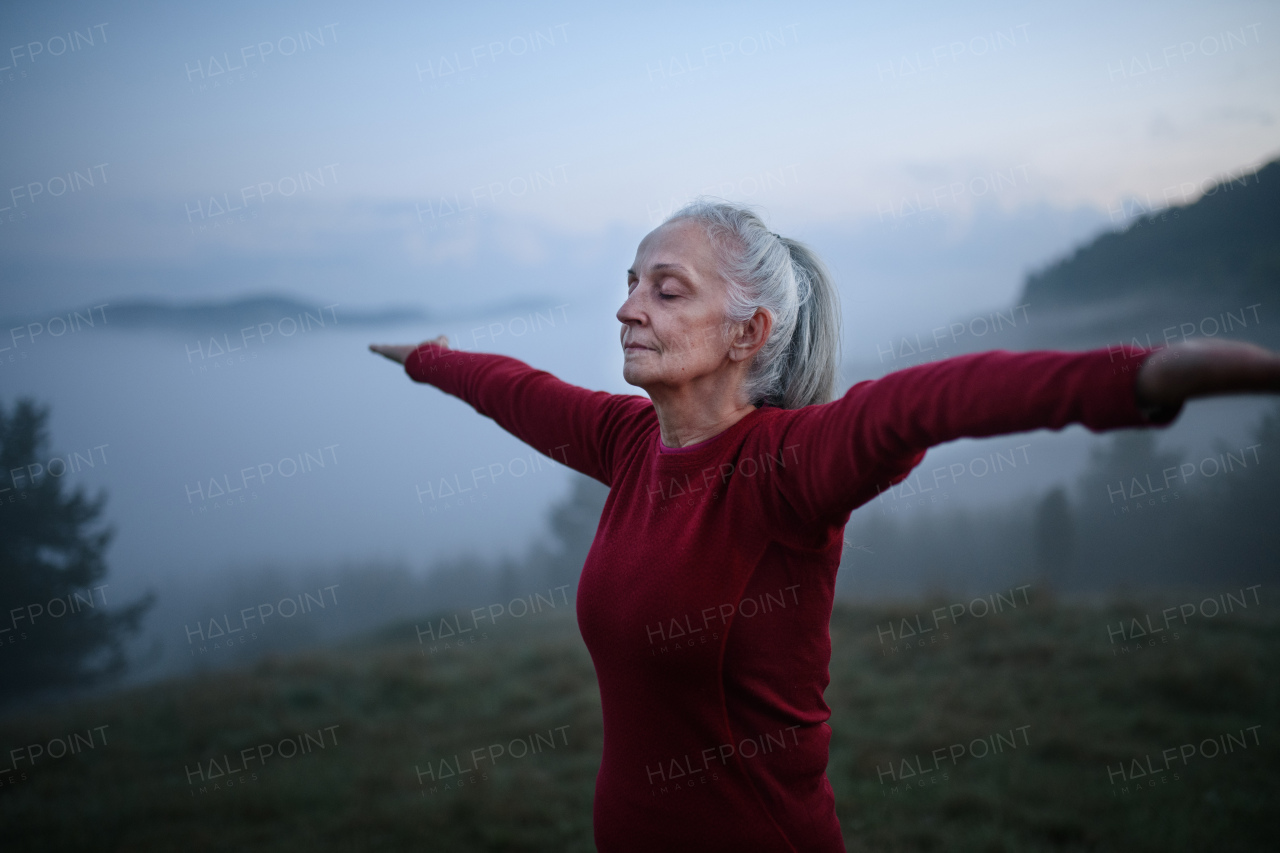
(1203, 368)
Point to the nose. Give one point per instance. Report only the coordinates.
(630, 313)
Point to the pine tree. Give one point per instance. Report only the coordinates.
(55, 629)
(1054, 536)
(573, 521)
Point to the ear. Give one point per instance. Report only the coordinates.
(751, 336)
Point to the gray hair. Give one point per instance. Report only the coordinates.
(797, 365)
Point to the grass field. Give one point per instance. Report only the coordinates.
(1047, 678)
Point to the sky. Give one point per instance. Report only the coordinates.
(322, 124)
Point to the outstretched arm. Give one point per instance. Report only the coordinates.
(849, 450)
(579, 428)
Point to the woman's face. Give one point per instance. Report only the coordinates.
(674, 315)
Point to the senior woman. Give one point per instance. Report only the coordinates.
(706, 596)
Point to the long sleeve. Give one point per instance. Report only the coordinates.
(851, 448)
(585, 430)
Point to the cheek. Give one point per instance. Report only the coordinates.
(704, 338)
(694, 334)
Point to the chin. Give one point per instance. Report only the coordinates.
(632, 375)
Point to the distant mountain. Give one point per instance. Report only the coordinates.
(1226, 244)
(247, 311)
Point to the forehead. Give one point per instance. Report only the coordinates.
(682, 242)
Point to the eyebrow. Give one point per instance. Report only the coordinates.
(677, 267)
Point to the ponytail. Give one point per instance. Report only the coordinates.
(809, 371)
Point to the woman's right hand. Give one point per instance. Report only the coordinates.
(399, 352)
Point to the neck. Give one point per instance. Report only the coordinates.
(699, 410)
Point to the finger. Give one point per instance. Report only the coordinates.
(388, 352)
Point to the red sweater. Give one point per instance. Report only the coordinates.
(706, 597)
